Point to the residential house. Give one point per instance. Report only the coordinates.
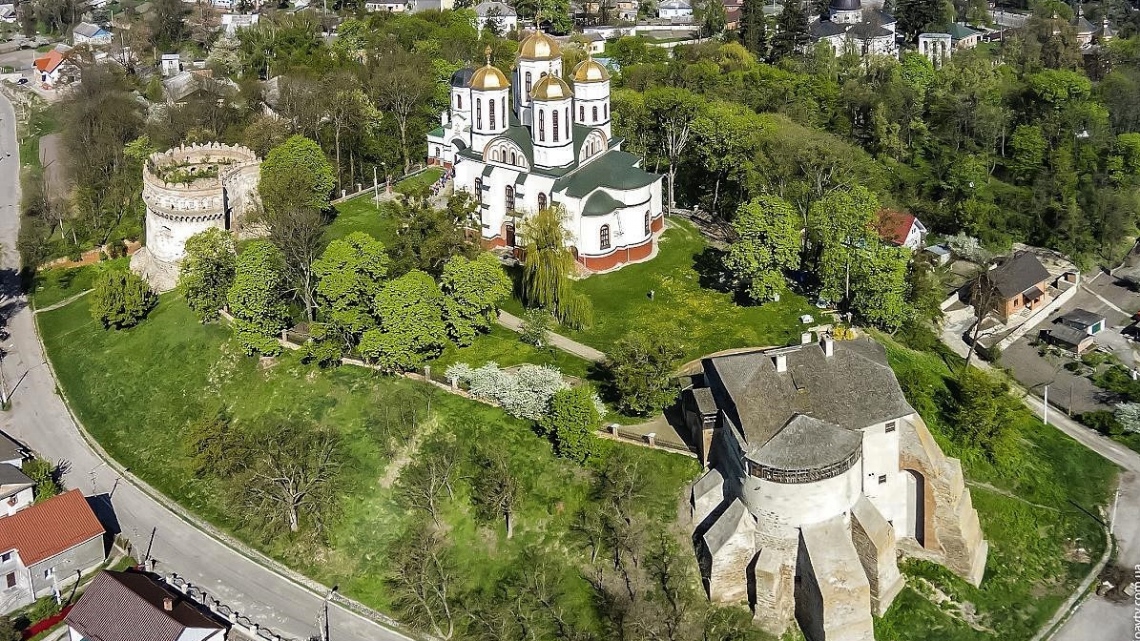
(1021, 282)
(86, 33)
(732, 9)
(12, 452)
(170, 64)
(47, 546)
(17, 490)
(133, 606)
(1084, 321)
(8, 13)
(900, 229)
(54, 68)
(187, 86)
(674, 10)
(595, 43)
(234, 22)
(503, 15)
(391, 6)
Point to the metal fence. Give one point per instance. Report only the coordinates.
(237, 620)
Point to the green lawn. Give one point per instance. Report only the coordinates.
(702, 319)
(425, 178)
(138, 390)
(1032, 513)
(54, 285)
(362, 214)
(503, 346)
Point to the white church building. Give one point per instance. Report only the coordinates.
(533, 141)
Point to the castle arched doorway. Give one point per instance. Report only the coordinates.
(914, 526)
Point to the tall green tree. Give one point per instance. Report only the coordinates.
(349, 275)
(121, 299)
(879, 286)
(411, 331)
(768, 244)
(426, 238)
(208, 272)
(256, 298)
(840, 228)
(473, 290)
(670, 114)
(295, 175)
(754, 28)
(916, 16)
(791, 30)
(640, 370)
(548, 268)
(985, 415)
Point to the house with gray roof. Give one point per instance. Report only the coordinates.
(852, 28)
(819, 474)
(134, 606)
(1019, 282)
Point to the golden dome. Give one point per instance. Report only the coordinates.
(539, 46)
(489, 78)
(590, 70)
(550, 87)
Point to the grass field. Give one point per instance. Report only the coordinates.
(1034, 512)
(138, 390)
(54, 285)
(503, 346)
(704, 320)
(362, 213)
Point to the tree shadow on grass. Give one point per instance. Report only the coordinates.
(709, 265)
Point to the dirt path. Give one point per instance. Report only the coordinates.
(55, 171)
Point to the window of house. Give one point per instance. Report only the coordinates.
(479, 114)
(595, 112)
(648, 228)
(479, 190)
(510, 198)
(4, 558)
(891, 426)
(541, 200)
(882, 479)
(459, 101)
(48, 573)
(554, 124)
(604, 237)
(11, 579)
(492, 112)
(541, 125)
(503, 111)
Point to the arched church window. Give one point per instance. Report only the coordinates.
(541, 125)
(479, 190)
(528, 83)
(594, 113)
(479, 113)
(541, 200)
(503, 109)
(606, 110)
(492, 106)
(582, 112)
(510, 201)
(495, 155)
(604, 237)
(514, 158)
(459, 101)
(648, 227)
(554, 124)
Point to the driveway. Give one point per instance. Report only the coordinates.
(39, 418)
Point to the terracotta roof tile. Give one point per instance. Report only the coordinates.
(894, 226)
(49, 528)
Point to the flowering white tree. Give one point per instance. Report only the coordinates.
(1128, 415)
(524, 392)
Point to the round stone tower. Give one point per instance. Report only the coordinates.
(188, 190)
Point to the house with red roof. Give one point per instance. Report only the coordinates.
(47, 546)
(53, 66)
(133, 606)
(900, 229)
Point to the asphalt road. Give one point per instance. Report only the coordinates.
(40, 420)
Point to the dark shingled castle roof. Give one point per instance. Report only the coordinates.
(816, 397)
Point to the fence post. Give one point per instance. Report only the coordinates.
(652, 438)
(427, 373)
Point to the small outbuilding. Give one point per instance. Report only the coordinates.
(1084, 321)
(1068, 338)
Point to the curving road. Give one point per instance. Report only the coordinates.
(40, 419)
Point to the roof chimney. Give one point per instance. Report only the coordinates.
(828, 345)
(805, 338)
(167, 604)
(781, 362)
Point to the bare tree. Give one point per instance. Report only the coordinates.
(421, 579)
(495, 488)
(423, 483)
(292, 471)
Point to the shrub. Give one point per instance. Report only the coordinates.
(640, 371)
(524, 392)
(121, 300)
(571, 421)
(1127, 415)
(46, 477)
(208, 272)
(536, 322)
(1102, 421)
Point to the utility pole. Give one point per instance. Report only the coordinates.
(323, 617)
(375, 188)
(1045, 407)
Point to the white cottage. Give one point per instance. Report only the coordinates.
(521, 145)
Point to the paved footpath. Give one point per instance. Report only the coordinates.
(40, 419)
(557, 340)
